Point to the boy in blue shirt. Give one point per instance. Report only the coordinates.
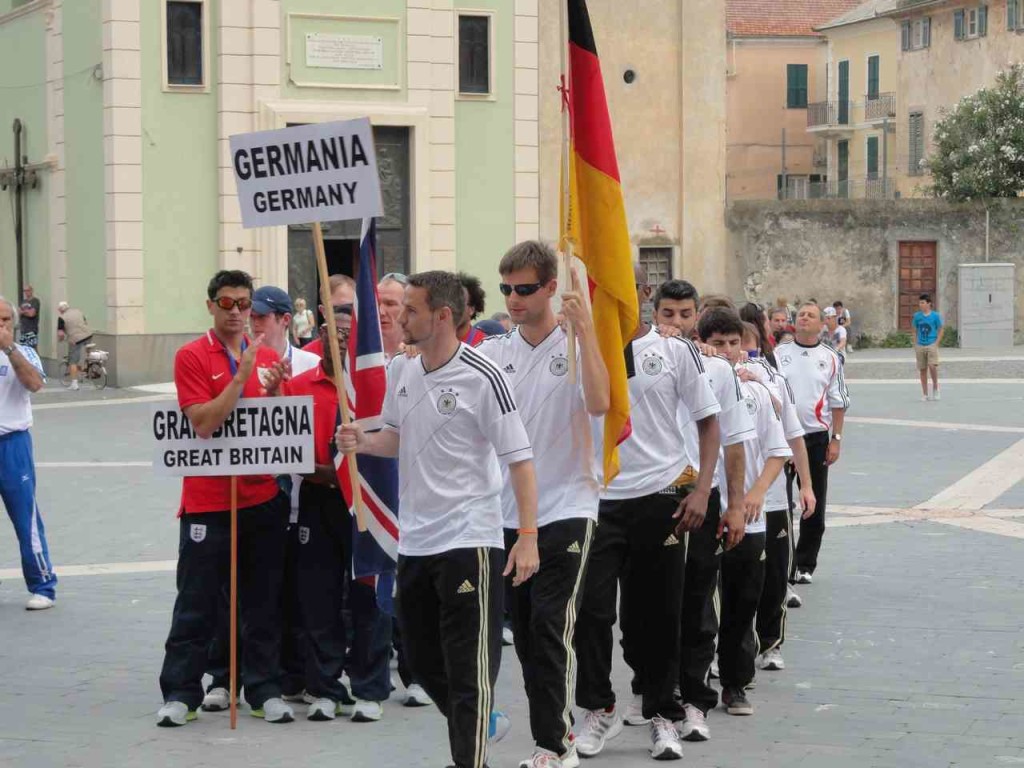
(928, 330)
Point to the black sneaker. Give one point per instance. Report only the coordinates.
(736, 702)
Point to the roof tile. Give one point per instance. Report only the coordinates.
(782, 18)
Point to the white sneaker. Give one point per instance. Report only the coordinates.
(498, 726)
(635, 712)
(415, 696)
(598, 727)
(173, 714)
(74, 385)
(322, 710)
(803, 577)
(542, 759)
(367, 711)
(217, 700)
(793, 600)
(925, 399)
(507, 638)
(772, 660)
(39, 603)
(695, 726)
(936, 395)
(571, 759)
(665, 744)
(274, 711)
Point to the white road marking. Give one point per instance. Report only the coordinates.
(954, 425)
(95, 403)
(101, 569)
(986, 524)
(984, 485)
(90, 464)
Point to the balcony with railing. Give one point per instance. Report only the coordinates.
(879, 106)
(867, 188)
(829, 117)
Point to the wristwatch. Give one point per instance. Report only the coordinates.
(8, 351)
(838, 437)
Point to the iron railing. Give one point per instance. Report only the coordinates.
(826, 113)
(880, 107)
(867, 188)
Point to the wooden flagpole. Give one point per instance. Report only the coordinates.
(233, 643)
(570, 332)
(339, 373)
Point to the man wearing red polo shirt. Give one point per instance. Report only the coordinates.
(211, 374)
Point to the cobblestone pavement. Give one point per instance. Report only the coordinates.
(909, 650)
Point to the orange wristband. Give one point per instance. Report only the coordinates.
(527, 531)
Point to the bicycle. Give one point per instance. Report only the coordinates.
(94, 371)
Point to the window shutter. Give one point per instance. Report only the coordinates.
(982, 20)
(926, 33)
(905, 34)
(1011, 14)
(958, 25)
(916, 149)
(873, 64)
(802, 84)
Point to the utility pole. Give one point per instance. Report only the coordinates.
(784, 191)
(20, 176)
(885, 158)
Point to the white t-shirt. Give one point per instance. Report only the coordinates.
(769, 442)
(455, 424)
(665, 375)
(815, 374)
(734, 422)
(15, 400)
(555, 416)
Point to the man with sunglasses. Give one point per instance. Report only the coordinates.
(343, 296)
(211, 374)
(556, 413)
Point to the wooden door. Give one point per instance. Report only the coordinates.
(917, 276)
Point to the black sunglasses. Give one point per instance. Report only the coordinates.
(523, 289)
(343, 309)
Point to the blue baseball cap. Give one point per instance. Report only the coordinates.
(271, 300)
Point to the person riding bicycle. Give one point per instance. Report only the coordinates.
(72, 326)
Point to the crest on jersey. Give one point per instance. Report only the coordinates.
(303, 534)
(652, 365)
(447, 403)
(559, 366)
(784, 360)
(822, 364)
(197, 532)
(751, 404)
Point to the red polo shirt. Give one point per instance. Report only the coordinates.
(201, 372)
(318, 385)
(315, 346)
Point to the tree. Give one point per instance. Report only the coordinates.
(979, 143)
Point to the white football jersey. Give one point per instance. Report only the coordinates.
(454, 424)
(555, 416)
(815, 374)
(769, 442)
(664, 375)
(15, 400)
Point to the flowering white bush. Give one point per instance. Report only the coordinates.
(979, 144)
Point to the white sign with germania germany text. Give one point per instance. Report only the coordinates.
(261, 436)
(317, 172)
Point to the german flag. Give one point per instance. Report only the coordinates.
(595, 222)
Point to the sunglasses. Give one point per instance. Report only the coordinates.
(523, 289)
(343, 309)
(227, 303)
(398, 277)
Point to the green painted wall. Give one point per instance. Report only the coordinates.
(393, 34)
(485, 162)
(83, 153)
(179, 190)
(23, 96)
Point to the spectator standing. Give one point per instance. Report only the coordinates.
(928, 331)
(73, 327)
(29, 315)
(303, 324)
(475, 297)
(21, 373)
(835, 334)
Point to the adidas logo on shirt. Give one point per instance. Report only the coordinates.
(465, 588)
(671, 541)
(574, 548)
(763, 557)
(720, 550)
(782, 534)
(510, 368)
(402, 392)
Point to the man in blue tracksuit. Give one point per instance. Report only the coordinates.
(21, 373)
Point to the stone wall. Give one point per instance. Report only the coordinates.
(848, 250)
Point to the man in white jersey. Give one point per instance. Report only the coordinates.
(21, 373)
(675, 307)
(555, 409)
(743, 567)
(449, 416)
(815, 374)
(639, 538)
(777, 595)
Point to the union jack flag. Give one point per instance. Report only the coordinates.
(375, 552)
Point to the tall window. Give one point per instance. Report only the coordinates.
(184, 42)
(872, 157)
(873, 63)
(969, 23)
(916, 34)
(796, 86)
(474, 54)
(915, 133)
(1014, 14)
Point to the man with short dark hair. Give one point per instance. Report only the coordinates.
(928, 331)
(780, 326)
(29, 316)
(449, 416)
(211, 374)
(815, 374)
(475, 297)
